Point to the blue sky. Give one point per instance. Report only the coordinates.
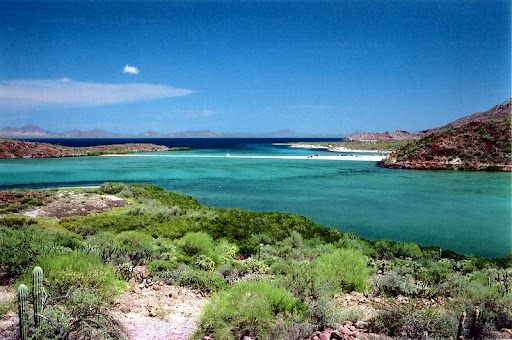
(251, 66)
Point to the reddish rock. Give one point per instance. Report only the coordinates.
(325, 335)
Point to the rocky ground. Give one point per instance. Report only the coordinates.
(67, 203)
(144, 312)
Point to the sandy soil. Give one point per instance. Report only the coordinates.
(159, 312)
(9, 321)
(151, 313)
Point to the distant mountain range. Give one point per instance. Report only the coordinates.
(32, 131)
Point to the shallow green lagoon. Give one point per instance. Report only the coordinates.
(463, 211)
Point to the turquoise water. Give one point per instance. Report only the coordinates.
(468, 212)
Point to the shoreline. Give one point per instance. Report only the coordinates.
(332, 149)
(365, 158)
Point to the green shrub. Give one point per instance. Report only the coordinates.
(113, 188)
(194, 244)
(256, 266)
(435, 272)
(19, 249)
(248, 308)
(103, 245)
(412, 321)
(205, 263)
(85, 317)
(229, 272)
(202, 280)
(228, 250)
(157, 266)
(76, 270)
(137, 245)
(153, 207)
(342, 269)
(6, 306)
(296, 276)
(394, 284)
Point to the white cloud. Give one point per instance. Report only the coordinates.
(64, 92)
(131, 70)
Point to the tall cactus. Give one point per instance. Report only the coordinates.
(23, 311)
(37, 291)
(460, 332)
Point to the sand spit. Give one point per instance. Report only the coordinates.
(365, 158)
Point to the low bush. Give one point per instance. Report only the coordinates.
(202, 280)
(19, 249)
(64, 273)
(256, 266)
(249, 308)
(84, 318)
(342, 270)
(194, 244)
(137, 245)
(113, 188)
(394, 284)
(103, 245)
(203, 262)
(156, 266)
(414, 321)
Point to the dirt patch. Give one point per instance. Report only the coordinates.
(67, 203)
(159, 312)
(9, 320)
(156, 312)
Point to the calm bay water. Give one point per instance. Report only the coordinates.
(468, 212)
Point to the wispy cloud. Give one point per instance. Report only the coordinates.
(131, 69)
(64, 92)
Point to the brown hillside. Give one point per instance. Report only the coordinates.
(375, 136)
(473, 146)
(20, 149)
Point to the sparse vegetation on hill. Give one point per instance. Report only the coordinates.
(10, 148)
(271, 275)
(480, 141)
(472, 146)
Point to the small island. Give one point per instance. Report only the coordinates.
(10, 148)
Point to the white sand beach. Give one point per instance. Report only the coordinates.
(366, 158)
(329, 148)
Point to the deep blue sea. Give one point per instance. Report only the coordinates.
(468, 212)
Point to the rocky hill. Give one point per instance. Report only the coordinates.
(21, 149)
(480, 141)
